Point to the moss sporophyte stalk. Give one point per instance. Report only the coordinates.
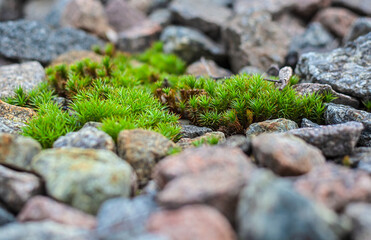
(149, 91)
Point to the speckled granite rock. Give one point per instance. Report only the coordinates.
(269, 126)
(16, 188)
(142, 149)
(333, 140)
(336, 113)
(189, 44)
(87, 137)
(74, 56)
(28, 75)
(285, 155)
(189, 142)
(31, 40)
(191, 131)
(306, 123)
(15, 113)
(12, 127)
(347, 70)
(18, 151)
(83, 178)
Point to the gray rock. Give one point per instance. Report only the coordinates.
(53, 18)
(189, 44)
(27, 75)
(17, 187)
(191, 131)
(12, 127)
(18, 151)
(250, 70)
(83, 178)
(87, 137)
(38, 9)
(360, 215)
(205, 16)
(45, 230)
(253, 39)
(310, 88)
(5, 217)
(269, 126)
(207, 68)
(360, 27)
(361, 157)
(92, 124)
(31, 40)
(361, 6)
(285, 155)
(306, 123)
(333, 140)
(347, 70)
(239, 141)
(270, 201)
(121, 218)
(10, 9)
(336, 113)
(276, 8)
(163, 17)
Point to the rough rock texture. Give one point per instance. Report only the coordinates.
(336, 20)
(333, 140)
(239, 141)
(191, 131)
(347, 70)
(142, 149)
(360, 215)
(122, 16)
(87, 137)
(336, 113)
(83, 178)
(335, 186)
(205, 16)
(139, 37)
(310, 88)
(191, 222)
(16, 188)
(361, 6)
(11, 9)
(42, 231)
(207, 68)
(269, 126)
(189, 44)
(31, 40)
(360, 27)
(18, 151)
(285, 155)
(40, 208)
(123, 218)
(254, 39)
(271, 201)
(5, 216)
(15, 113)
(74, 56)
(162, 17)
(12, 127)
(190, 177)
(189, 142)
(306, 123)
(28, 75)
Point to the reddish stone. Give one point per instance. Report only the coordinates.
(190, 223)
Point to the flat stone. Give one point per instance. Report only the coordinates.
(5, 217)
(322, 89)
(83, 178)
(16, 188)
(27, 75)
(360, 27)
(360, 215)
(189, 44)
(139, 37)
(360, 6)
(185, 143)
(285, 155)
(336, 113)
(207, 68)
(40, 208)
(347, 70)
(32, 40)
(87, 137)
(18, 151)
(142, 149)
(75, 56)
(335, 186)
(336, 20)
(191, 131)
(191, 176)
(46, 230)
(270, 126)
(205, 16)
(333, 140)
(254, 39)
(271, 201)
(191, 222)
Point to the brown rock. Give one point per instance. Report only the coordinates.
(306, 8)
(335, 186)
(15, 113)
(17, 187)
(286, 155)
(270, 126)
(122, 16)
(210, 175)
(336, 20)
(207, 68)
(190, 223)
(40, 208)
(75, 56)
